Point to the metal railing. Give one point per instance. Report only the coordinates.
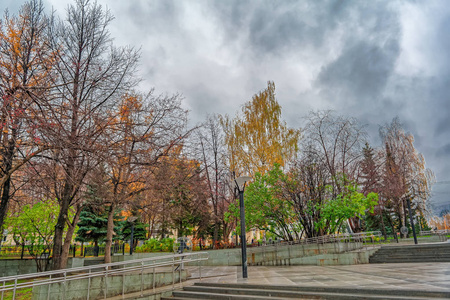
(282, 252)
(138, 266)
(364, 237)
(435, 232)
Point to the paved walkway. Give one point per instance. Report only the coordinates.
(413, 276)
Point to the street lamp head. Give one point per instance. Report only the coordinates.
(241, 180)
(132, 219)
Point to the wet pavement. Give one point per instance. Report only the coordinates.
(413, 276)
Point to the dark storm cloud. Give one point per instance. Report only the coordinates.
(280, 27)
(154, 16)
(272, 27)
(373, 60)
(368, 58)
(362, 70)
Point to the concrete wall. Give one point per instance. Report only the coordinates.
(12, 267)
(111, 285)
(269, 255)
(349, 258)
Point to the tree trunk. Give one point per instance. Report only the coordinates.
(393, 229)
(4, 205)
(7, 185)
(383, 228)
(109, 233)
(216, 233)
(59, 228)
(68, 239)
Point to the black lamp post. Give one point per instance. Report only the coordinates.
(240, 185)
(131, 220)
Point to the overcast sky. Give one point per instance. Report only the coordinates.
(373, 60)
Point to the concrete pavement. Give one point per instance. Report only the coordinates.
(412, 276)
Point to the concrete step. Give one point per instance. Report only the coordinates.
(246, 291)
(395, 292)
(376, 260)
(438, 252)
(412, 256)
(218, 296)
(287, 295)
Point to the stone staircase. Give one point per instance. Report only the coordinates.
(250, 291)
(436, 252)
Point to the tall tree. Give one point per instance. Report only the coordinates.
(25, 73)
(338, 141)
(405, 174)
(145, 130)
(212, 153)
(258, 138)
(371, 181)
(266, 208)
(370, 171)
(91, 73)
(305, 187)
(183, 195)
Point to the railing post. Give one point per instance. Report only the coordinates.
(48, 288)
(123, 285)
(106, 281)
(200, 269)
(173, 272)
(289, 252)
(276, 255)
(4, 282)
(264, 254)
(15, 287)
(142, 278)
(64, 286)
(89, 281)
(181, 285)
(154, 278)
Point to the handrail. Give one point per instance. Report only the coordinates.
(329, 238)
(87, 268)
(65, 275)
(431, 232)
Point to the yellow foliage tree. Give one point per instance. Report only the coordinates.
(258, 138)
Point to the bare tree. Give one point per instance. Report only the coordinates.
(405, 174)
(145, 130)
(212, 153)
(339, 141)
(91, 72)
(305, 188)
(25, 71)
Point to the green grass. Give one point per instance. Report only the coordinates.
(23, 293)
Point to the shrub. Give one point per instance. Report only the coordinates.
(156, 245)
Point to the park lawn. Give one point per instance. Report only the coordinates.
(23, 293)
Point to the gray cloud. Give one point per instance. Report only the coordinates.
(362, 70)
(373, 60)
